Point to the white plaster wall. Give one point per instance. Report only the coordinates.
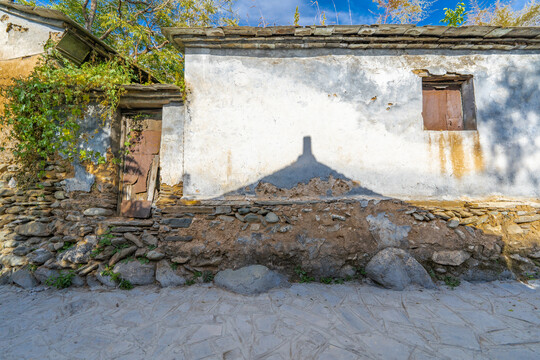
(248, 111)
(172, 144)
(15, 43)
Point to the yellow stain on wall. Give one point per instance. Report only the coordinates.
(459, 153)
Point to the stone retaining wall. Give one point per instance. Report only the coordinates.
(46, 232)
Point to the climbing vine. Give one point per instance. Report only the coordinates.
(43, 111)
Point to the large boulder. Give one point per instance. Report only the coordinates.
(33, 228)
(135, 272)
(249, 280)
(396, 269)
(24, 278)
(166, 276)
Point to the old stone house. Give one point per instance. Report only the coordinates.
(412, 112)
(310, 148)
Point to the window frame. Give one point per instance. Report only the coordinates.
(450, 82)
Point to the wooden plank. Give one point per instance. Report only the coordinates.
(434, 109)
(152, 178)
(454, 110)
(136, 208)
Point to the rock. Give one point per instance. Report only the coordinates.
(59, 195)
(347, 271)
(166, 276)
(177, 223)
(149, 239)
(77, 281)
(21, 251)
(11, 244)
(13, 260)
(43, 273)
(24, 278)
(72, 217)
(93, 283)
(285, 228)
(134, 239)
(33, 228)
(117, 241)
(386, 233)
(450, 257)
(154, 255)
(243, 211)
(271, 218)
(39, 256)
(97, 212)
(249, 280)
(481, 275)
(252, 218)
(418, 217)
(527, 219)
(223, 209)
(178, 238)
(535, 255)
(104, 279)
(396, 269)
(141, 252)
(522, 259)
(338, 217)
(514, 229)
(79, 254)
(180, 259)
(136, 273)
(5, 277)
(453, 223)
(122, 254)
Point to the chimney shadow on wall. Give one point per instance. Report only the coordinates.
(303, 171)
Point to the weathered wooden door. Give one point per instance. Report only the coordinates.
(142, 139)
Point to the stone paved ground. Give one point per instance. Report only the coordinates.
(499, 320)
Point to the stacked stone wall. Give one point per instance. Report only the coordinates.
(47, 232)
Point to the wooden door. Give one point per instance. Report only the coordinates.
(140, 169)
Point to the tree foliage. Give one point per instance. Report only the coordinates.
(402, 11)
(502, 14)
(454, 17)
(133, 27)
(43, 111)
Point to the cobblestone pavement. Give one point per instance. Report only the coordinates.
(499, 320)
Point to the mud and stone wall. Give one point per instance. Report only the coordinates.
(48, 231)
(361, 111)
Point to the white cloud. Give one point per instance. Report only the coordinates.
(281, 12)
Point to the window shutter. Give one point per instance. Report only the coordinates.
(454, 112)
(434, 110)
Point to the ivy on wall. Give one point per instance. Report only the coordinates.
(43, 111)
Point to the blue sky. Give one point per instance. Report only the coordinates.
(281, 12)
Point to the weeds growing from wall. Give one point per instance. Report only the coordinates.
(43, 111)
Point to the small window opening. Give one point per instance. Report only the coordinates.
(448, 103)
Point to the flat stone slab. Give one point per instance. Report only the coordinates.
(249, 280)
(496, 320)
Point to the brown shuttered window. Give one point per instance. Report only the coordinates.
(446, 106)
